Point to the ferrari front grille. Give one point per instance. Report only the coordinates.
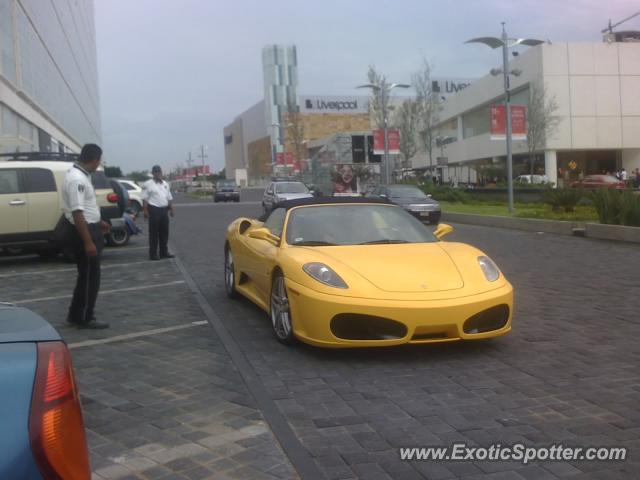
(352, 326)
(493, 318)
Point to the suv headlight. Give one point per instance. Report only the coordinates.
(489, 268)
(324, 274)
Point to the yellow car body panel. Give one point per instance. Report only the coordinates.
(431, 289)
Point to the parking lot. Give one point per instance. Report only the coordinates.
(189, 384)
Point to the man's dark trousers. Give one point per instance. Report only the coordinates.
(158, 230)
(88, 281)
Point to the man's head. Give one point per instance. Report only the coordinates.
(90, 157)
(156, 171)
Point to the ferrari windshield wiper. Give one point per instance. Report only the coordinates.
(314, 243)
(383, 241)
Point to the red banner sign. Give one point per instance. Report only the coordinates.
(518, 122)
(286, 158)
(393, 137)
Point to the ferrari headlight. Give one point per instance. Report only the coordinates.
(324, 274)
(489, 268)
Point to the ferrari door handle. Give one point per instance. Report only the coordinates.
(14, 203)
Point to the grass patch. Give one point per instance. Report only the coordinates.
(582, 213)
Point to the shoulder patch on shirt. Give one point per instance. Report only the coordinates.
(81, 188)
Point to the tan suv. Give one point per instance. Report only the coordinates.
(31, 201)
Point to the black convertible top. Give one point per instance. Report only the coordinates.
(304, 202)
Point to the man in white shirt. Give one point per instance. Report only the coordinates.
(157, 205)
(86, 236)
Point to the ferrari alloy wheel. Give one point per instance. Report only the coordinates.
(280, 312)
(229, 274)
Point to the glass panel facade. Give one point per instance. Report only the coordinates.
(7, 43)
(52, 46)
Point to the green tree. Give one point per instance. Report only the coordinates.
(113, 172)
(139, 175)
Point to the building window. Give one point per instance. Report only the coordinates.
(228, 139)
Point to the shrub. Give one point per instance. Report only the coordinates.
(446, 194)
(562, 198)
(617, 208)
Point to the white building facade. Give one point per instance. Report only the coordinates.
(48, 76)
(596, 87)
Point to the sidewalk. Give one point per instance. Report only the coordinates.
(162, 398)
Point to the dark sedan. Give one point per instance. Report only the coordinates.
(226, 190)
(412, 199)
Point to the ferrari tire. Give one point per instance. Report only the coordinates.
(229, 274)
(280, 312)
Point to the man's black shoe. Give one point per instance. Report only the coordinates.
(154, 257)
(168, 255)
(93, 325)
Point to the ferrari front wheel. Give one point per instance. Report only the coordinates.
(229, 274)
(280, 312)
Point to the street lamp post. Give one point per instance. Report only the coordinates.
(385, 91)
(505, 42)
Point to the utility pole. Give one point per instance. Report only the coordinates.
(189, 161)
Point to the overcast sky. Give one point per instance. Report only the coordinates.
(174, 73)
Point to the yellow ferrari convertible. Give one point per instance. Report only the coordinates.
(351, 272)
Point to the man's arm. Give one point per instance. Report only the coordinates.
(145, 208)
(83, 230)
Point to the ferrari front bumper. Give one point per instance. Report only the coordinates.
(320, 319)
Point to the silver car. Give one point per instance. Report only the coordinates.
(278, 192)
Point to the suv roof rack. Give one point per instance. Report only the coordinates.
(39, 157)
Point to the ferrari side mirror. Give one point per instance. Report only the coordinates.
(442, 230)
(264, 234)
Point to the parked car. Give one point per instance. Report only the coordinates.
(592, 182)
(532, 179)
(412, 199)
(31, 200)
(226, 190)
(280, 191)
(360, 272)
(43, 433)
(135, 194)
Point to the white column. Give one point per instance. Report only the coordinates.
(551, 166)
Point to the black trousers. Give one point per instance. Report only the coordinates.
(158, 230)
(88, 280)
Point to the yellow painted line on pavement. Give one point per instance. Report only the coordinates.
(129, 336)
(102, 292)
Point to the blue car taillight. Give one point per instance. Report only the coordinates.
(56, 427)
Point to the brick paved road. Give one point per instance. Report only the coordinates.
(568, 373)
(164, 400)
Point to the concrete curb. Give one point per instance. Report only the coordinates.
(612, 232)
(528, 224)
(558, 227)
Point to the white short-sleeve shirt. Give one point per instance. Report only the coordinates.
(78, 194)
(157, 194)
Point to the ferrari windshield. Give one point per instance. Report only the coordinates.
(291, 187)
(327, 225)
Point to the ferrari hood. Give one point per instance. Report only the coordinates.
(415, 267)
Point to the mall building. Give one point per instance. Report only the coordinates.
(596, 87)
(48, 76)
(261, 141)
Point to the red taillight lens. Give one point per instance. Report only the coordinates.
(112, 197)
(56, 428)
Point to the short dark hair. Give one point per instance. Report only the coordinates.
(90, 152)
(156, 168)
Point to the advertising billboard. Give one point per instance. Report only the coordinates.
(499, 122)
(393, 139)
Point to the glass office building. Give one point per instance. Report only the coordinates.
(48, 75)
